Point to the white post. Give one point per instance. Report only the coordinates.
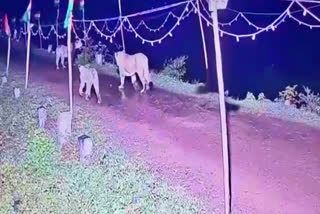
(70, 63)
(202, 35)
(28, 53)
(223, 116)
(121, 20)
(8, 56)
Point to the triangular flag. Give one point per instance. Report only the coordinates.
(6, 27)
(69, 13)
(27, 14)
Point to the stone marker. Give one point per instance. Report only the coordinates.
(16, 93)
(85, 145)
(42, 116)
(64, 127)
(50, 48)
(4, 80)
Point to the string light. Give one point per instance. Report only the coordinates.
(186, 12)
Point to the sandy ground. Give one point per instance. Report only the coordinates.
(275, 164)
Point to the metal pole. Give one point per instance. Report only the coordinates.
(121, 20)
(70, 63)
(84, 27)
(8, 56)
(57, 31)
(28, 54)
(223, 115)
(39, 29)
(202, 36)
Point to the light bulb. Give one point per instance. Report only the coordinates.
(304, 13)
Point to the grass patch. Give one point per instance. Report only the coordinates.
(35, 177)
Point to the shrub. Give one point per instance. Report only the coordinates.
(289, 96)
(310, 100)
(175, 68)
(86, 57)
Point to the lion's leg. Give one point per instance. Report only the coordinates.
(96, 87)
(134, 82)
(62, 62)
(121, 86)
(143, 81)
(57, 60)
(88, 90)
(82, 84)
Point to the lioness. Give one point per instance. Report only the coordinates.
(62, 53)
(89, 77)
(129, 65)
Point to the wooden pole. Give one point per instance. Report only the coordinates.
(28, 53)
(70, 63)
(223, 115)
(121, 20)
(8, 56)
(203, 38)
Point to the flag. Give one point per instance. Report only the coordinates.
(69, 13)
(81, 4)
(6, 27)
(27, 14)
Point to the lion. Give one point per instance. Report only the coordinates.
(89, 77)
(129, 65)
(62, 53)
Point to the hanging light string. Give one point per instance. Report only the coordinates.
(169, 33)
(170, 14)
(186, 12)
(273, 25)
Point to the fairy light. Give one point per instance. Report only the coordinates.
(186, 12)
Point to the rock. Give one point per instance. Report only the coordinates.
(64, 127)
(42, 116)
(17, 93)
(85, 145)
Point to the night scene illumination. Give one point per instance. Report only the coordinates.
(174, 106)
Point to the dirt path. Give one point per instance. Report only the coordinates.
(275, 164)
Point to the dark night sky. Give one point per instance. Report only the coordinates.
(275, 59)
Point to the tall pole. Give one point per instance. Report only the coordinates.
(223, 115)
(28, 53)
(70, 63)
(57, 22)
(8, 56)
(202, 36)
(84, 27)
(39, 29)
(121, 23)
(25, 35)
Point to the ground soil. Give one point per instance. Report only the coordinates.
(275, 164)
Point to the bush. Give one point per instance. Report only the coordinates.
(289, 96)
(310, 100)
(175, 68)
(86, 57)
